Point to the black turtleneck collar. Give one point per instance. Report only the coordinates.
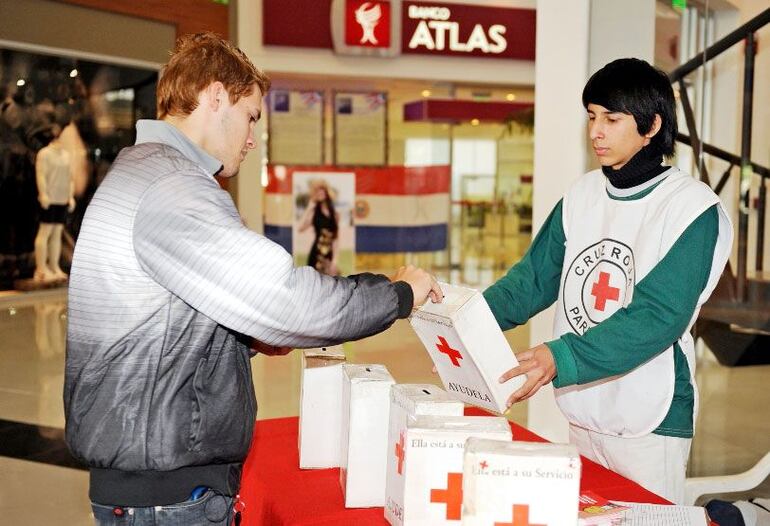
(638, 170)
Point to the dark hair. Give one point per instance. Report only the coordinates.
(634, 87)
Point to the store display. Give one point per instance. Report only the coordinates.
(360, 128)
(56, 195)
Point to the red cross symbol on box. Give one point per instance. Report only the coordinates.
(400, 453)
(452, 496)
(483, 464)
(444, 348)
(520, 517)
(603, 292)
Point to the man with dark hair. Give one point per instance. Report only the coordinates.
(170, 293)
(629, 254)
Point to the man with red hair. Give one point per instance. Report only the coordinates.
(170, 294)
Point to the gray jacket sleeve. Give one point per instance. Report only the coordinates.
(188, 237)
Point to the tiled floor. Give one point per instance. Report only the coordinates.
(733, 427)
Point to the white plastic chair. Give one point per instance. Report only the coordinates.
(697, 486)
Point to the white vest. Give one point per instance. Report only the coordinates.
(610, 246)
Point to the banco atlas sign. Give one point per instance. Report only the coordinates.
(465, 30)
(393, 27)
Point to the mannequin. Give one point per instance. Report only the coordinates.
(55, 186)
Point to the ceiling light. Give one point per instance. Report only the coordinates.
(510, 97)
(426, 93)
(74, 73)
(20, 82)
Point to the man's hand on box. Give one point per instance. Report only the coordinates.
(423, 285)
(270, 350)
(538, 364)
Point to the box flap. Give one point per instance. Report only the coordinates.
(460, 423)
(455, 297)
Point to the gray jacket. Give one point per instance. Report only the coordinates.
(166, 290)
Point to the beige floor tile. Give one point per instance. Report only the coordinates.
(34, 494)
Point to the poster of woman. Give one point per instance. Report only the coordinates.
(323, 233)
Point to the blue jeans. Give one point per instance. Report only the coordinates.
(210, 509)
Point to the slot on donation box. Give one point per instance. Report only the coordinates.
(532, 483)
(320, 407)
(364, 434)
(432, 467)
(408, 400)
(468, 348)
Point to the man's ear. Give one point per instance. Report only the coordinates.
(657, 122)
(214, 95)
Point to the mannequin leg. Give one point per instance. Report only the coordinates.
(54, 251)
(42, 272)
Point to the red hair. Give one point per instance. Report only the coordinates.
(196, 62)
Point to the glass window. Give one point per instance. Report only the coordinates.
(84, 108)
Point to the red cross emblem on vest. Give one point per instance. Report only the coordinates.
(602, 291)
(444, 348)
(452, 496)
(400, 453)
(520, 517)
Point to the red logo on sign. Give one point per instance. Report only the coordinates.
(367, 23)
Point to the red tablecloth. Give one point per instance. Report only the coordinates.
(276, 492)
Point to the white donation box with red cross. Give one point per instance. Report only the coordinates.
(433, 465)
(320, 407)
(520, 484)
(468, 347)
(364, 434)
(409, 400)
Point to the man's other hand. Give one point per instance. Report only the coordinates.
(270, 350)
(423, 285)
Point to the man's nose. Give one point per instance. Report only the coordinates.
(251, 142)
(595, 130)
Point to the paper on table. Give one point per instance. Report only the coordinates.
(662, 515)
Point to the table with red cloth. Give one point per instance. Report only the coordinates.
(276, 492)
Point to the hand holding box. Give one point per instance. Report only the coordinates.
(469, 349)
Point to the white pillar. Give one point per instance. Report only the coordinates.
(248, 194)
(574, 39)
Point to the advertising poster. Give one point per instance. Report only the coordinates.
(323, 234)
(295, 127)
(360, 128)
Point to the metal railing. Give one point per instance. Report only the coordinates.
(747, 167)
